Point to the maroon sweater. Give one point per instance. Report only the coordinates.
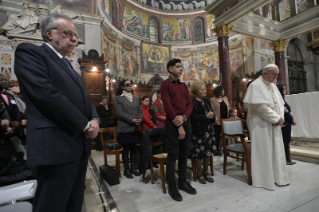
(176, 99)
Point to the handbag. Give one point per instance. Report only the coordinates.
(113, 146)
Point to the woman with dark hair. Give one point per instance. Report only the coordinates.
(221, 107)
(129, 112)
(286, 127)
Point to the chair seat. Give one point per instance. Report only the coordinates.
(238, 147)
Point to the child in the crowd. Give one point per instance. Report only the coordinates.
(233, 114)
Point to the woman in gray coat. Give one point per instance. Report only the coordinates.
(129, 112)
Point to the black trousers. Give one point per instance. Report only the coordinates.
(177, 149)
(286, 136)
(218, 130)
(61, 187)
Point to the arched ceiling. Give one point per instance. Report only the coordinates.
(173, 6)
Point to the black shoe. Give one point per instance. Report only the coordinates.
(208, 179)
(128, 174)
(289, 163)
(134, 170)
(186, 186)
(174, 193)
(201, 180)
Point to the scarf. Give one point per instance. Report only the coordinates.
(129, 96)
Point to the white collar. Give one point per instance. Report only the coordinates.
(60, 55)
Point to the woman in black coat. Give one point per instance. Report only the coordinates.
(203, 139)
(286, 127)
(104, 112)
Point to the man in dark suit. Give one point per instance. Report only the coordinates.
(61, 119)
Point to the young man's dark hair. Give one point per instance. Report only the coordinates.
(178, 107)
(172, 63)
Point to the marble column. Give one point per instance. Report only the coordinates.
(223, 54)
(279, 49)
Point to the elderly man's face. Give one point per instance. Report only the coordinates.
(63, 37)
(271, 75)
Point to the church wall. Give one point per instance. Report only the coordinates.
(87, 26)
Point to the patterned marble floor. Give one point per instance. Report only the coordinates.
(228, 193)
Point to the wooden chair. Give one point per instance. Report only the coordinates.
(231, 128)
(112, 152)
(161, 160)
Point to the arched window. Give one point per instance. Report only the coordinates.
(297, 75)
(198, 31)
(153, 30)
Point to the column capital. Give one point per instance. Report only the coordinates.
(279, 45)
(222, 30)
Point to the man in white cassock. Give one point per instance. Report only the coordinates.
(264, 119)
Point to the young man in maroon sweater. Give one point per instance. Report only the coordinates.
(178, 107)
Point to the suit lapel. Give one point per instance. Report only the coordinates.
(59, 61)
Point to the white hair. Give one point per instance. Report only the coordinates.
(268, 67)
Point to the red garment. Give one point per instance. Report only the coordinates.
(158, 108)
(240, 110)
(146, 123)
(176, 99)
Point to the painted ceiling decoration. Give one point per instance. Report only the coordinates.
(174, 6)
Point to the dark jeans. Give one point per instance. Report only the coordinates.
(177, 149)
(286, 136)
(218, 130)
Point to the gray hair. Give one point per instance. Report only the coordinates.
(268, 67)
(103, 97)
(49, 22)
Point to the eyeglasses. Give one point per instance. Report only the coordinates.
(67, 33)
(128, 85)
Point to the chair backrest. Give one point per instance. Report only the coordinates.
(232, 126)
(109, 129)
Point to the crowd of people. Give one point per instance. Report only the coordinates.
(59, 141)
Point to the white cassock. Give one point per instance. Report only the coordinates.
(268, 162)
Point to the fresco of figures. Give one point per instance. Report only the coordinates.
(175, 30)
(210, 25)
(121, 61)
(106, 5)
(154, 59)
(206, 66)
(127, 65)
(135, 22)
(173, 6)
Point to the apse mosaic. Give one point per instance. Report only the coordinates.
(174, 6)
(154, 59)
(176, 30)
(135, 22)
